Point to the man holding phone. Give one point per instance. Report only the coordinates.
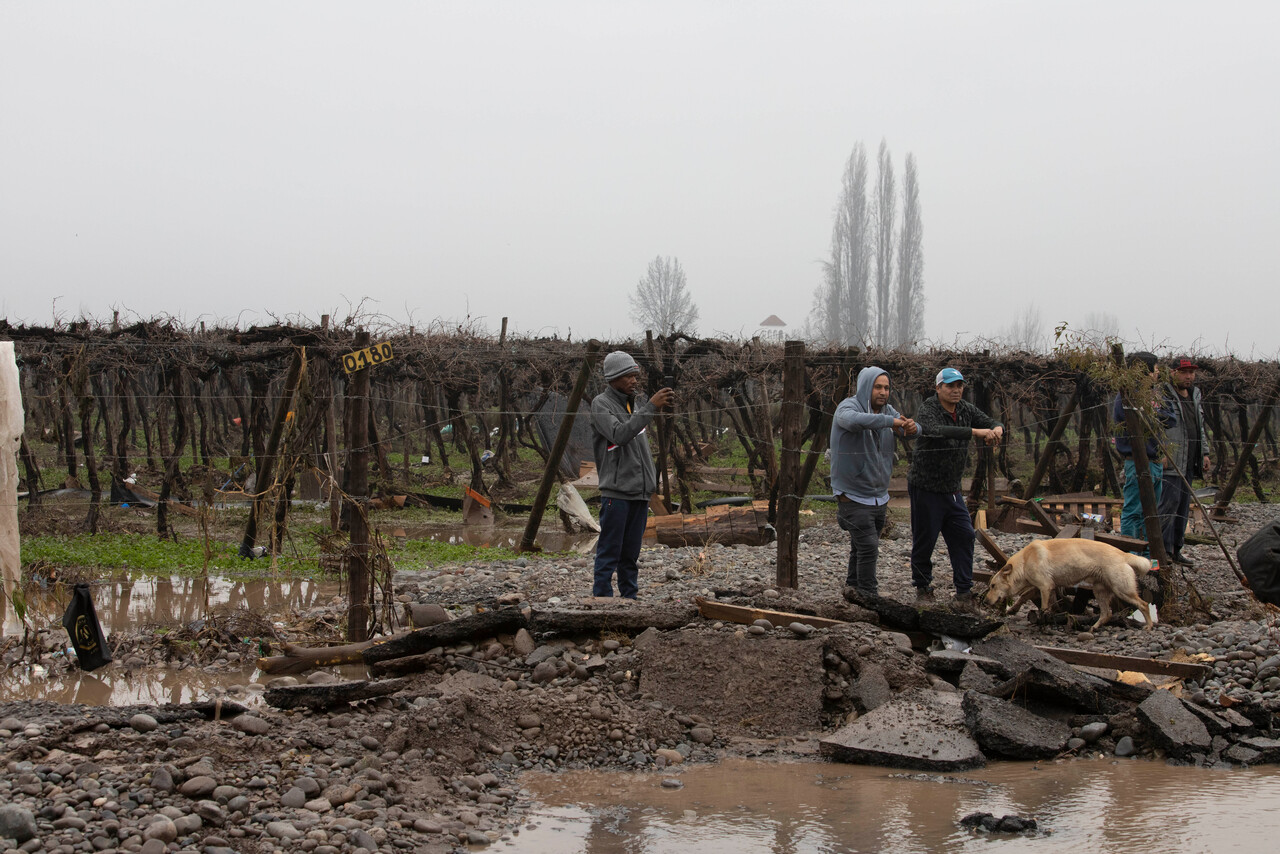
(619, 421)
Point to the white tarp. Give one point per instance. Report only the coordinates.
(11, 425)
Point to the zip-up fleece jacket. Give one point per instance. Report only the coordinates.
(1179, 435)
(942, 447)
(862, 444)
(621, 447)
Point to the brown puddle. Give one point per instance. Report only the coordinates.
(749, 807)
(124, 602)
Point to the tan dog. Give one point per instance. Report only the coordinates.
(1048, 564)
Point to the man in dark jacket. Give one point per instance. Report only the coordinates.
(861, 464)
(1186, 446)
(946, 423)
(626, 470)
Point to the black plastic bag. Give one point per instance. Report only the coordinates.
(81, 623)
(1260, 561)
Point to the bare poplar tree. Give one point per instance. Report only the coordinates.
(661, 301)
(841, 304)
(886, 214)
(908, 311)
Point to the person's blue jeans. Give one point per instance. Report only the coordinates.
(864, 522)
(1132, 523)
(1175, 507)
(934, 513)
(621, 530)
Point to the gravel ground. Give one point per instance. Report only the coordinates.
(437, 766)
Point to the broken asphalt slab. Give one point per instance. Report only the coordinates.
(1007, 730)
(919, 729)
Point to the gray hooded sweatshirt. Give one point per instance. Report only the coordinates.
(862, 445)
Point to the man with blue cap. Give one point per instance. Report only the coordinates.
(946, 424)
(626, 470)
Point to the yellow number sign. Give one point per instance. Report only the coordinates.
(358, 360)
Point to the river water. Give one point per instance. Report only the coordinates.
(755, 807)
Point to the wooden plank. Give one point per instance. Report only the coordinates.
(1179, 669)
(1087, 533)
(1068, 532)
(656, 505)
(1042, 517)
(1031, 526)
(1124, 544)
(746, 616)
(989, 543)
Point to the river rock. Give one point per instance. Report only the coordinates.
(198, 787)
(250, 724)
(143, 722)
(523, 642)
(17, 823)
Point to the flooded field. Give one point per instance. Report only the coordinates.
(751, 807)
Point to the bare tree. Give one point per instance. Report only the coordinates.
(841, 303)
(1026, 332)
(886, 214)
(908, 310)
(661, 301)
(1104, 324)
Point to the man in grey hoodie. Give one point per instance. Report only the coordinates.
(626, 470)
(861, 463)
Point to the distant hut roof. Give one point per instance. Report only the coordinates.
(772, 320)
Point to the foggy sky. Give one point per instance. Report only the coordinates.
(238, 161)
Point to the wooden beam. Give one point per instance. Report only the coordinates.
(1180, 669)
(989, 543)
(746, 616)
(1067, 532)
(1042, 517)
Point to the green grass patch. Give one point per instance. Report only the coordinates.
(153, 555)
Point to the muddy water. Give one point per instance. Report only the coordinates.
(746, 807)
(123, 601)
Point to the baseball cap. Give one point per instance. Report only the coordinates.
(1184, 363)
(948, 376)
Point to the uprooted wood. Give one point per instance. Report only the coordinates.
(297, 659)
(629, 618)
(320, 697)
(483, 625)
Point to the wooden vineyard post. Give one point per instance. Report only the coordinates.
(1055, 436)
(266, 465)
(788, 521)
(356, 501)
(557, 449)
(1224, 496)
(823, 436)
(1146, 489)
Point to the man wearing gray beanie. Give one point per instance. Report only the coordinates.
(626, 470)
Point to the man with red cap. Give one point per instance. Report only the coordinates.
(1186, 448)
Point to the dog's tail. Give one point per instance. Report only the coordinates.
(1141, 566)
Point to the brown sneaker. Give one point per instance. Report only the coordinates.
(924, 594)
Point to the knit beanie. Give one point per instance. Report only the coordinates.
(618, 364)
